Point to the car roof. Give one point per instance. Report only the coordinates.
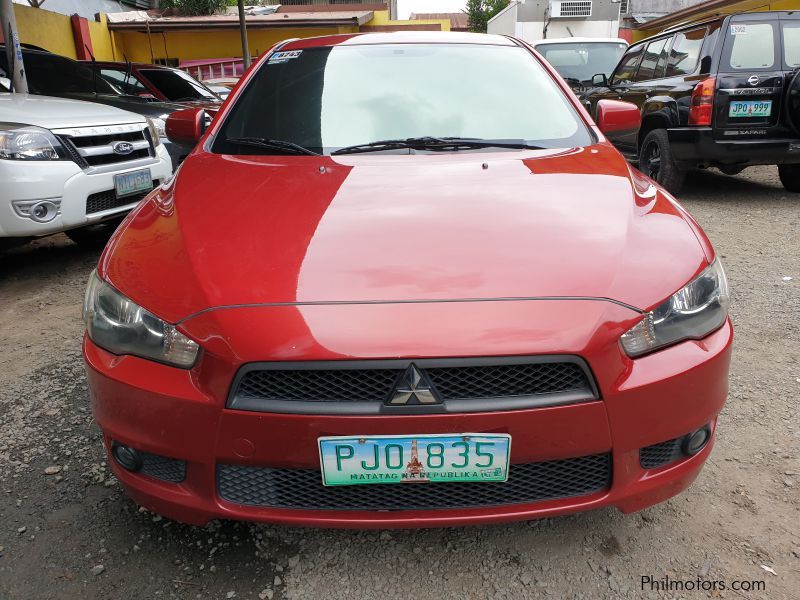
(125, 65)
(400, 37)
(579, 40)
(736, 17)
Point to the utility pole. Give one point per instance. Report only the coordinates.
(13, 49)
(243, 29)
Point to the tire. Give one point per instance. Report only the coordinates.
(93, 237)
(790, 177)
(655, 161)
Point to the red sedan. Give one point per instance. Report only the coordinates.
(405, 281)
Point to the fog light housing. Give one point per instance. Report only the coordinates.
(41, 211)
(696, 441)
(128, 458)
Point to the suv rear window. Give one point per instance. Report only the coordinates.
(752, 46)
(791, 44)
(685, 52)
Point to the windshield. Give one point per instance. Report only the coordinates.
(53, 75)
(328, 98)
(580, 61)
(178, 86)
(124, 80)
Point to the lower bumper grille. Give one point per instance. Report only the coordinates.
(163, 468)
(661, 454)
(303, 489)
(107, 200)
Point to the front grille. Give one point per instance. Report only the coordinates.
(109, 159)
(163, 468)
(100, 140)
(661, 454)
(93, 146)
(460, 384)
(72, 151)
(303, 489)
(507, 380)
(107, 200)
(319, 386)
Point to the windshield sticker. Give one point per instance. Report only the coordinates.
(282, 57)
(738, 29)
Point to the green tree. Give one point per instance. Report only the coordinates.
(195, 7)
(480, 12)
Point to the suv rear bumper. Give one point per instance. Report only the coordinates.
(697, 146)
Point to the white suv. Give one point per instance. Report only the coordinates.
(68, 165)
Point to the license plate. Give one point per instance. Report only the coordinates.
(750, 108)
(126, 184)
(414, 458)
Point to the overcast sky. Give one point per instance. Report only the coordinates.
(406, 7)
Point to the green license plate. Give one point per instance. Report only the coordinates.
(750, 108)
(413, 458)
(127, 184)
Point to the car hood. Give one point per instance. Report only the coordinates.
(386, 228)
(56, 113)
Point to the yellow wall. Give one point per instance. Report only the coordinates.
(734, 7)
(46, 29)
(102, 40)
(53, 32)
(192, 45)
(381, 17)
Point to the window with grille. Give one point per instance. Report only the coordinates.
(565, 9)
(624, 7)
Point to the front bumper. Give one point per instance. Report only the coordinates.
(66, 184)
(697, 146)
(182, 415)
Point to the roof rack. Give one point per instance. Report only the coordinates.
(689, 23)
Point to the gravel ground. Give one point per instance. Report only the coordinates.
(67, 531)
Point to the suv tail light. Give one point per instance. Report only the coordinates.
(702, 107)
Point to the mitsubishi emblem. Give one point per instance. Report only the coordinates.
(413, 388)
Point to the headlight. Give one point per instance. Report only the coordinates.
(120, 326)
(690, 314)
(25, 142)
(157, 127)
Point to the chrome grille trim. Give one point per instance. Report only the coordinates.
(108, 149)
(93, 146)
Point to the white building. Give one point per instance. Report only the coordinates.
(533, 20)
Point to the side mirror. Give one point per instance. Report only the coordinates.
(614, 116)
(186, 126)
(600, 80)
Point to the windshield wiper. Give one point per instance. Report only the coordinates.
(435, 143)
(270, 144)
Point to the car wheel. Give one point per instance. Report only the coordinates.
(93, 237)
(790, 177)
(655, 161)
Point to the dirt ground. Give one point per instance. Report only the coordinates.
(73, 534)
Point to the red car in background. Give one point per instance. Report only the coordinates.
(404, 280)
(156, 82)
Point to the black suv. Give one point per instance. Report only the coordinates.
(723, 92)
